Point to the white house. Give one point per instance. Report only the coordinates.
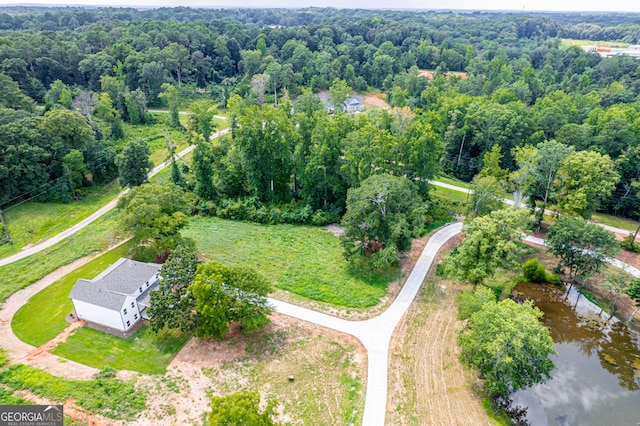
(118, 298)
(353, 105)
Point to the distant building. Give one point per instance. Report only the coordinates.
(351, 105)
(609, 52)
(118, 298)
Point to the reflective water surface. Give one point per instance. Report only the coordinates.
(597, 375)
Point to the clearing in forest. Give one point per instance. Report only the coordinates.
(304, 260)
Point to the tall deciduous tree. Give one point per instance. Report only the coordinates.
(203, 169)
(266, 139)
(173, 305)
(11, 96)
(225, 295)
(259, 83)
(487, 195)
(490, 243)
(154, 214)
(84, 103)
(617, 282)
(68, 128)
(585, 179)
(201, 118)
(508, 344)
(339, 92)
(74, 170)
(580, 246)
(172, 96)
(550, 156)
(383, 215)
(134, 164)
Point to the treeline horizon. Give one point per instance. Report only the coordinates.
(524, 85)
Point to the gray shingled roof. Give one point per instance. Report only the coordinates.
(126, 276)
(109, 288)
(90, 292)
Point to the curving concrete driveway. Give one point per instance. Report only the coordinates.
(86, 221)
(375, 333)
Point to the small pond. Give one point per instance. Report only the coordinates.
(597, 375)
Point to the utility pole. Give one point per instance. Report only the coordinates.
(4, 227)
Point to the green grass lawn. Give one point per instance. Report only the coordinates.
(32, 222)
(452, 181)
(144, 351)
(94, 238)
(449, 194)
(304, 260)
(43, 317)
(616, 221)
(156, 136)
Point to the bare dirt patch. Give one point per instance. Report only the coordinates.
(72, 413)
(430, 74)
(329, 370)
(428, 384)
(376, 101)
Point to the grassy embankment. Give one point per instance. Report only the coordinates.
(106, 396)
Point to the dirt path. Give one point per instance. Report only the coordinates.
(33, 249)
(53, 343)
(429, 385)
(18, 351)
(70, 409)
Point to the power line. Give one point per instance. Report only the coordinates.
(54, 182)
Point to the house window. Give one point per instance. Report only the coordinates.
(125, 311)
(132, 305)
(135, 316)
(128, 323)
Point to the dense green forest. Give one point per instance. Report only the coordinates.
(94, 69)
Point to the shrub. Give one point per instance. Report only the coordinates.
(552, 279)
(629, 244)
(534, 271)
(250, 209)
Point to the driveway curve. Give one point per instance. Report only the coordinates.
(93, 217)
(375, 333)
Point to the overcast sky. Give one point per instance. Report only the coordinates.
(519, 5)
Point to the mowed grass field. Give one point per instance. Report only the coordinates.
(96, 237)
(145, 351)
(304, 260)
(43, 317)
(32, 222)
